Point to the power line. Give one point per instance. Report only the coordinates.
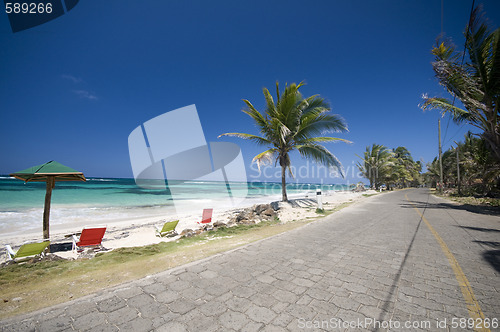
(455, 134)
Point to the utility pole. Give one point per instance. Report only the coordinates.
(458, 170)
(440, 159)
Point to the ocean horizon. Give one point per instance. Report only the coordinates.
(113, 199)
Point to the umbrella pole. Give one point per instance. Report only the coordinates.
(46, 211)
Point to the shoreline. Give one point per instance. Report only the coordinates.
(139, 231)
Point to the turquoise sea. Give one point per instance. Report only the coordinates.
(21, 204)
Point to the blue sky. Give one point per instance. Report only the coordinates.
(73, 89)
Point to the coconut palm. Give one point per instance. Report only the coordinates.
(479, 171)
(292, 122)
(477, 165)
(476, 85)
(432, 175)
(376, 164)
(408, 170)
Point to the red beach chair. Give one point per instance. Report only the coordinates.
(207, 216)
(90, 237)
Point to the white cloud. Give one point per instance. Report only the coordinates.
(80, 92)
(72, 78)
(85, 94)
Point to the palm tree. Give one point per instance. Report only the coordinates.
(476, 85)
(376, 164)
(432, 174)
(293, 122)
(409, 170)
(479, 171)
(477, 164)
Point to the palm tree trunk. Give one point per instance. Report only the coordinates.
(284, 198)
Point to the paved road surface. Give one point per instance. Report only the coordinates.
(372, 264)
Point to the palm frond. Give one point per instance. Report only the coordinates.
(265, 157)
(494, 64)
(286, 110)
(323, 123)
(323, 139)
(259, 119)
(459, 115)
(478, 44)
(315, 107)
(270, 106)
(319, 154)
(259, 140)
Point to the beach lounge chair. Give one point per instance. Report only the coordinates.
(27, 250)
(207, 216)
(90, 237)
(168, 229)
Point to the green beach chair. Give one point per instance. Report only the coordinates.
(27, 250)
(168, 229)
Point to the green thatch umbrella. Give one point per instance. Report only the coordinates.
(49, 172)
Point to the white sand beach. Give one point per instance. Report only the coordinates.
(136, 232)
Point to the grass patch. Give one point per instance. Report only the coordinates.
(340, 207)
(326, 212)
(469, 200)
(368, 195)
(476, 201)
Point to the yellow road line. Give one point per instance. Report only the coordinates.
(472, 304)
